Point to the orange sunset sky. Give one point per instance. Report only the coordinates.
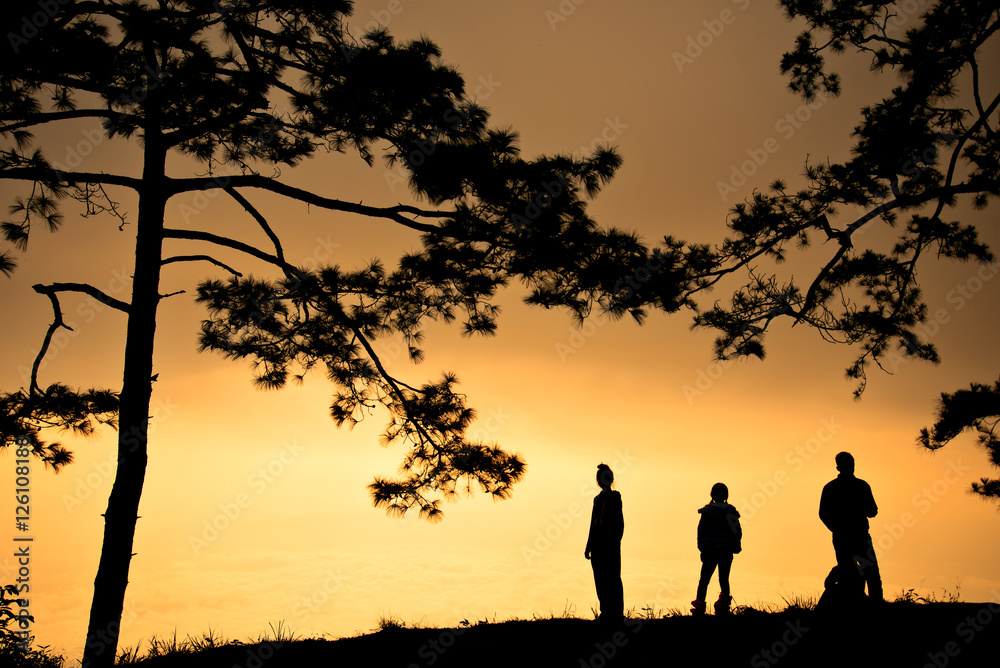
(255, 508)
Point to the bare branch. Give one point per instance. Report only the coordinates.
(38, 174)
(90, 196)
(197, 258)
(57, 322)
(260, 221)
(196, 235)
(84, 288)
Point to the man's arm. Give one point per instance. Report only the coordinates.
(826, 511)
(871, 510)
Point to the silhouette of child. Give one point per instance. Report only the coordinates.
(719, 535)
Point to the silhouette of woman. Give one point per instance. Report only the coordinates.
(719, 538)
(604, 546)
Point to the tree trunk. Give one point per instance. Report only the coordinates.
(123, 504)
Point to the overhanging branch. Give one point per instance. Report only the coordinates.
(199, 258)
(259, 217)
(393, 386)
(394, 213)
(41, 118)
(105, 299)
(197, 235)
(843, 238)
(39, 174)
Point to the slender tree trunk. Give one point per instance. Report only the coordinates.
(123, 504)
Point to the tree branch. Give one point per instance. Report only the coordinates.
(394, 213)
(249, 208)
(718, 274)
(50, 117)
(187, 133)
(810, 299)
(57, 322)
(196, 235)
(38, 174)
(86, 289)
(197, 258)
(905, 201)
(393, 386)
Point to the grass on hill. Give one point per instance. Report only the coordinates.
(763, 632)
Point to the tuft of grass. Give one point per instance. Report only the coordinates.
(163, 646)
(800, 603)
(796, 603)
(280, 633)
(910, 596)
(484, 621)
(173, 645)
(568, 612)
(128, 655)
(209, 640)
(648, 612)
(759, 607)
(390, 622)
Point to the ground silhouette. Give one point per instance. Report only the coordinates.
(898, 634)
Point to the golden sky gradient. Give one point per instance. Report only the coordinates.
(255, 507)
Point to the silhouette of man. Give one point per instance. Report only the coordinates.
(844, 507)
(604, 546)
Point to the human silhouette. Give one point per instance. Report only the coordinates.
(839, 596)
(844, 507)
(604, 546)
(719, 538)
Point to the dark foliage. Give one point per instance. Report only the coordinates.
(975, 408)
(916, 155)
(23, 415)
(16, 649)
(921, 158)
(246, 88)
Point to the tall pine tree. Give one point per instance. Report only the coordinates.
(242, 87)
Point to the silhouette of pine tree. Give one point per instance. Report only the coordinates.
(245, 87)
(916, 153)
(931, 144)
(975, 408)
